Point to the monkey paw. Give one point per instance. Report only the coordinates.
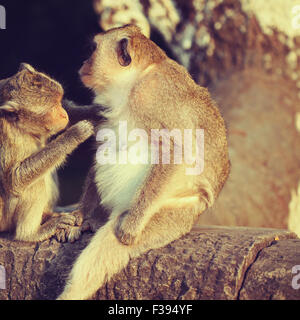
(73, 218)
(124, 237)
(68, 234)
(90, 224)
(84, 129)
(124, 231)
(68, 228)
(77, 216)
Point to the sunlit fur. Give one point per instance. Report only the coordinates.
(149, 205)
(30, 113)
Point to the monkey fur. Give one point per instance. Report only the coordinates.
(30, 113)
(149, 205)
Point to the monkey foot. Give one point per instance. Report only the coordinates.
(68, 228)
(68, 234)
(124, 237)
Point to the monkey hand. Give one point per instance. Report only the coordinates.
(69, 226)
(90, 224)
(82, 130)
(126, 230)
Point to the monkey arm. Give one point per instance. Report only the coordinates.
(51, 156)
(78, 113)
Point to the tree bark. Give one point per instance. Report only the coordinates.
(209, 263)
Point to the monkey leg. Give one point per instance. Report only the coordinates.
(61, 225)
(129, 227)
(131, 224)
(193, 196)
(94, 215)
(106, 255)
(147, 202)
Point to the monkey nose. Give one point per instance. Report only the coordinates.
(86, 67)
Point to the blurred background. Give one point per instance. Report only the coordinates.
(246, 52)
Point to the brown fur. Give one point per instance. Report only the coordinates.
(30, 113)
(151, 92)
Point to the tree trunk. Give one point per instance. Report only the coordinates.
(209, 263)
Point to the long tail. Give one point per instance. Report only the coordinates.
(102, 258)
(105, 255)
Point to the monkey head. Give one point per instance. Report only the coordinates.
(32, 102)
(120, 53)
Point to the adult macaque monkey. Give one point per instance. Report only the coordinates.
(30, 113)
(150, 205)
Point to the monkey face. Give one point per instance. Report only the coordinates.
(121, 55)
(33, 101)
(113, 57)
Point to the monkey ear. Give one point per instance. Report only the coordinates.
(27, 67)
(9, 107)
(123, 55)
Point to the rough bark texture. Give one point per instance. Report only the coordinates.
(209, 263)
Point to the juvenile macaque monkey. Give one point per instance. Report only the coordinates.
(150, 205)
(30, 113)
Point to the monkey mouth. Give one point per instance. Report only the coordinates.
(85, 78)
(83, 74)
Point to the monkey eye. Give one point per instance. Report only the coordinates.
(11, 116)
(123, 54)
